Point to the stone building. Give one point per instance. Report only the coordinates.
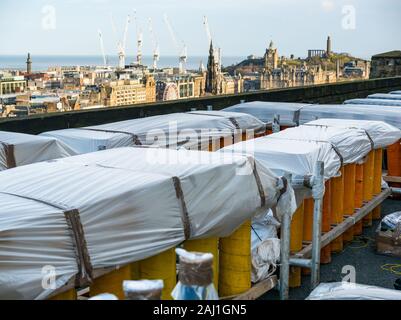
(386, 64)
(127, 92)
(277, 73)
(12, 84)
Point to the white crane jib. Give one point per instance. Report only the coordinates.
(121, 43)
(139, 40)
(182, 51)
(102, 48)
(156, 50)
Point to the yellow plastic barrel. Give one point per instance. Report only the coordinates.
(111, 282)
(210, 245)
(325, 255)
(368, 174)
(337, 208)
(377, 180)
(235, 262)
(67, 295)
(161, 266)
(349, 197)
(296, 244)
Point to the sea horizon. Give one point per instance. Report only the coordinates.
(43, 62)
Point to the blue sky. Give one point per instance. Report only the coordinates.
(240, 27)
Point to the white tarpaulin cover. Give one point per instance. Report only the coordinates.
(378, 102)
(17, 149)
(173, 130)
(128, 209)
(352, 291)
(265, 111)
(352, 144)
(391, 115)
(289, 156)
(381, 133)
(384, 96)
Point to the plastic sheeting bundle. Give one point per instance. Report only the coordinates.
(351, 145)
(18, 149)
(382, 134)
(391, 221)
(384, 96)
(379, 102)
(297, 157)
(113, 207)
(265, 111)
(143, 289)
(195, 277)
(191, 130)
(352, 291)
(391, 115)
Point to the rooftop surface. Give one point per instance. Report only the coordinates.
(361, 254)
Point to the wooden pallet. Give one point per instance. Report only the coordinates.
(257, 290)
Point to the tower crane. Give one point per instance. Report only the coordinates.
(181, 51)
(156, 50)
(102, 48)
(121, 45)
(139, 40)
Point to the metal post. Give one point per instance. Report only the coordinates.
(285, 236)
(276, 123)
(317, 192)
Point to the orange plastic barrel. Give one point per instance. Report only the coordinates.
(394, 161)
(368, 175)
(377, 180)
(325, 255)
(337, 208)
(349, 197)
(358, 196)
(296, 244)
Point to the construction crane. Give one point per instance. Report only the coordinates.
(121, 45)
(139, 39)
(182, 52)
(102, 48)
(156, 50)
(207, 29)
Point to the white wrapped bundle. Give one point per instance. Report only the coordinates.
(391, 115)
(18, 149)
(192, 130)
(266, 110)
(352, 291)
(351, 144)
(386, 96)
(378, 102)
(112, 208)
(381, 133)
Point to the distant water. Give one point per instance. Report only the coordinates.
(41, 62)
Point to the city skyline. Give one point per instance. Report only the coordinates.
(70, 27)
